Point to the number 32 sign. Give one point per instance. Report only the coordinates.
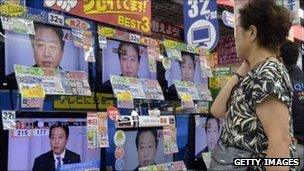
(201, 23)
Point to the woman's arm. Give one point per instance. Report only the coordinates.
(218, 108)
(274, 116)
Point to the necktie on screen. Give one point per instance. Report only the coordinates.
(59, 163)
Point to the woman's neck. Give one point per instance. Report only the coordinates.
(259, 55)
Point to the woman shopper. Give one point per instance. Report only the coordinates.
(256, 102)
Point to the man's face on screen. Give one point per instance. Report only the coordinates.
(212, 133)
(146, 149)
(129, 63)
(47, 48)
(187, 68)
(58, 140)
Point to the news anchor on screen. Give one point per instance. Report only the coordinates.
(59, 154)
(129, 58)
(187, 71)
(48, 46)
(187, 67)
(213, 131)
(146, 144)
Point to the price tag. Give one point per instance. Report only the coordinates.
(106, 31)
(119, 138)
(5, 19)
(8, 119)
(197, 120)
(124, 99)
(32, 91)
(149, 41)
(119, 152)
(170, 44)
(207, 158)
(134, 38)
(56, 19)
(92, 120)
(89, 55)
(174, 54)
(170, 145)
(40, 132)
(152, 64)
(22, 133)
(77, 37)
(103, 129)
(19, 25)
(92, 136)
(102, 42)
(186, 100)
(166, 63)
(92, 130)
(32, 102)
(191, 48)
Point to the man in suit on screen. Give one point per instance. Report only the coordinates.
(59, 154)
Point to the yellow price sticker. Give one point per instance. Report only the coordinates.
(124, 95)
(186, 97)
(170, 44)
(35, 91)
(106, 31)
(12, 10)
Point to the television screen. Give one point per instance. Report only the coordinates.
(123, 59)
(31, 146)
(207, 133)
(143, 147)
(182, 137)
(186, 70)
(50, 47)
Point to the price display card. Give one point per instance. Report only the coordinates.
(102, 42)
(124, 99)
(103, 129)
(174, 54)
(170, 145)
(8, 119)
(92, 130)
(152, 89)
(84, 39)
(19, 25)
(79, 83)
(186, 87)
(133, 85)
(173, 166)
(204, 92)
(53, 81)
(186, 100)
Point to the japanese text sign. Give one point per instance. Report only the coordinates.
(131, 14)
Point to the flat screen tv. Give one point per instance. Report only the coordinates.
(207, 133)
(50, 47)
(142, 147)
(31, 146)
(188, 69)
(122, 59)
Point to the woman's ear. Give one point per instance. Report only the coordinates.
(252, 33)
